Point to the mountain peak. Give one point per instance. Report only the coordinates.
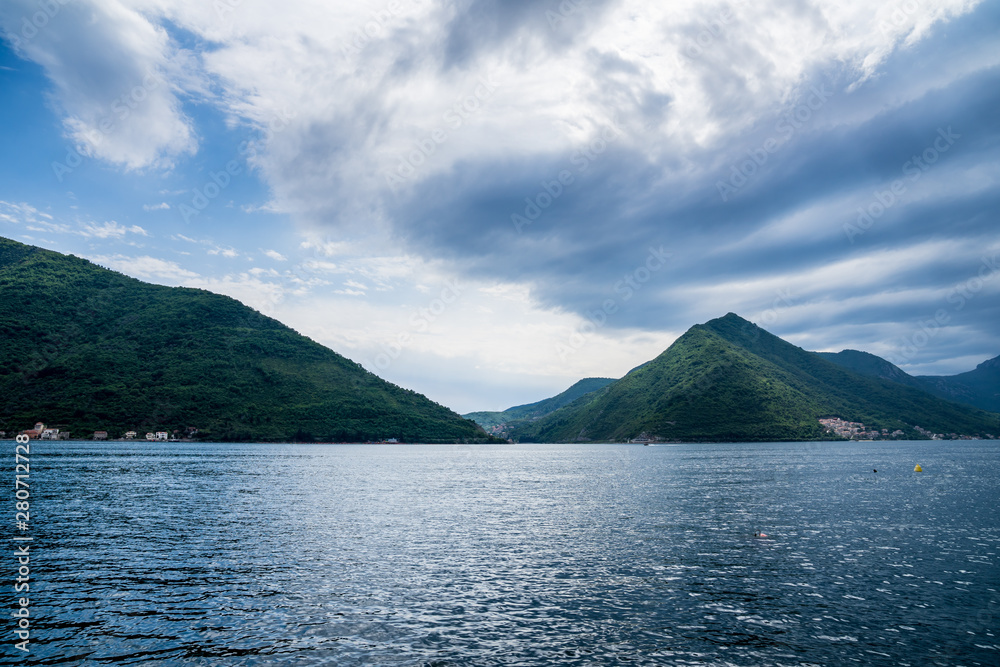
(743, 333)
(729, 318)
(731, 323)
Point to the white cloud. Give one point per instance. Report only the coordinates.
(162, 206)
(275, 255)
(145, 268)
(49, 227)
(111, 230)
(17, 214)
(224, 251)
(116, 77)
(327, 248)
(38, 221)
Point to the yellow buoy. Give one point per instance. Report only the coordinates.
(917, 468)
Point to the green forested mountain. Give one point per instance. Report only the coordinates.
(729, 380)
(83, 348)
(491, 420)
(979, 387)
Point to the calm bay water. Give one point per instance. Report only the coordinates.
(217, 554)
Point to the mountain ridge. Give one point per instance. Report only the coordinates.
(979, 387)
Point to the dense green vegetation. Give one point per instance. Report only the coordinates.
(86, 349)
(492, 420)
(729, 380)
(979, 387)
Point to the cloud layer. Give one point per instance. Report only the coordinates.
(627, 168)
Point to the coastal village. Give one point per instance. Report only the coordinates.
(858, 431)
(42, 432)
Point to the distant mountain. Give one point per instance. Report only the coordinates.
(83, 348)
(979, 388)
(871, 365)
(729, 380)
(492, 421)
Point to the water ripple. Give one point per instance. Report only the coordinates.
(526, 555)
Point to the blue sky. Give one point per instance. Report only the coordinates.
(487, 200)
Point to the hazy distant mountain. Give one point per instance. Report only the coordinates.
(83, 348)
(490, 420)
(729, 380)
(871, 365)
(979, 388)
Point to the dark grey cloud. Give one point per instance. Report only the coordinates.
(622, 200)
(485, 26)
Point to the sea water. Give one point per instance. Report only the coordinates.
(246, 554)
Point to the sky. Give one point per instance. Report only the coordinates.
(488, 200)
